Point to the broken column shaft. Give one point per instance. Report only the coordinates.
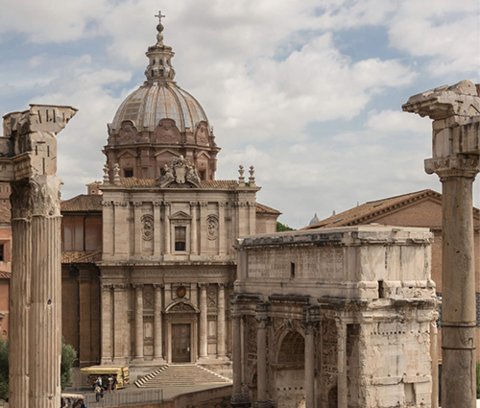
(28, 161)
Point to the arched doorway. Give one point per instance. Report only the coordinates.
(290, 370)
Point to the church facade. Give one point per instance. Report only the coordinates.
(167, 264)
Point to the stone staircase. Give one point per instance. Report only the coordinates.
(181, 375)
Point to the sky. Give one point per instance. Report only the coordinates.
(309, 92)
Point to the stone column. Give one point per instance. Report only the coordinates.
(120, 320)
(29, 152)
(157, 323)
(458, 283)
(138, 322)
(222, 231)
(137, 225)
(106, 319)
(238, 399)
(157, 237)
(455, 113)
(203, 320)
(262, 318)
(252, 215)
(193, 243)
(167, 228)
(221, 328)
(309, 366)
(434, 357)
(108, 229)
(342, 385)
(203, 227)
(121, 235)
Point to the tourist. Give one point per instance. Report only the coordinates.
(97, 392)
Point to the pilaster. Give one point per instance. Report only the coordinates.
(221, 326)
(203, 321)
(157, 323)
(157, 238)
(137, 225)
(120, 320)
(106, 308)
(262, 319)
(342, 384)
(166, 205)
(138, 322)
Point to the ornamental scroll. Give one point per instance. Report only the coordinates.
(212, 227)
(147, 227)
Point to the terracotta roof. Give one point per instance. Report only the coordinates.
(5, 214)
(82, 202)
(81, 256)
(263, 209)
(5, 275)
(135, 182)
(363, 213)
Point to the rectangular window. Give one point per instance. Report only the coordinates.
(128, 173)
(180, 238)
(2, 252)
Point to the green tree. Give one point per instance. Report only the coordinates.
(69, 355)
(282, 227)
(3, 369)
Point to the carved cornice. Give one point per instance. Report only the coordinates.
(453, 166)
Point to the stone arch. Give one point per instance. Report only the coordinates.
(182, 306)
(292, 348)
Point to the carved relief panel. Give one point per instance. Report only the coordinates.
(128, 133)
(167, 132)
(148, 297)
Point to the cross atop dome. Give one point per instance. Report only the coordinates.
(159, 15)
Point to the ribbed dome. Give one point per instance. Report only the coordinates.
(155, 101)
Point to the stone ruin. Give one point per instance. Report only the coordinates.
(28, 161)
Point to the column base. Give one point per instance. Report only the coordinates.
(240, 401)
(263, 404)
(159, 361)
(138, 360)
(106, 361)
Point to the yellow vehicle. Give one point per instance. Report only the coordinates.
(119, 373)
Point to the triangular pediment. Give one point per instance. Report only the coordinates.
(180, 215)
(128, 152)
(172, 152)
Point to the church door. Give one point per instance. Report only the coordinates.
(180, 343)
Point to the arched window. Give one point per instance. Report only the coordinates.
(292, 350)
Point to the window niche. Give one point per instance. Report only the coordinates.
(180, 239)
(180, 232)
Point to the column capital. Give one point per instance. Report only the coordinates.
(107, 203)
(119, 286)
(106, 286)
(157, 203)
(120, 203)
(158, 286)
(222, 203)
(223, 285)
(203, 203)
(464, 165)
(137, 285)
(167, 203)
(137, 203)
(202, 285)
(193, 203)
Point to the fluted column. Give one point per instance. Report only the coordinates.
(221, 327)
(157, 323)
(193, 243)
(106, 328)
(342, 385)
(157, 237)
(238, 399)
(203, 320)
(138, 321)
(262, 319)
(29, 150)
(167, 227)
(309, 365)
(434, 357)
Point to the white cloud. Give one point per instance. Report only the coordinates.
(389, 121)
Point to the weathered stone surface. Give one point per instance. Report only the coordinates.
(343, 318)
(29, 151)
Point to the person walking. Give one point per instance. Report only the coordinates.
(97, 393)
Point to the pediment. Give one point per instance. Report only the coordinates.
(202, 153)
(181, 306)
(172, 152)
(128, 152)
(180, 215)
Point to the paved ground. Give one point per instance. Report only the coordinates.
(168, 392)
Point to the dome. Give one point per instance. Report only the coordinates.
(314, 220)
(155, 101)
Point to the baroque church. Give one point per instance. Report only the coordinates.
(148, 262)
